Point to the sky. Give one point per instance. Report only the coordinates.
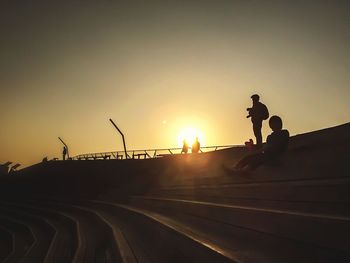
(159, 67)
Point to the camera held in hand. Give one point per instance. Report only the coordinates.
(249, 112)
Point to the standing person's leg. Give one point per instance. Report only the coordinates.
(257, 132)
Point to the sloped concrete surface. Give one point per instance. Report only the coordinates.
(184, 208)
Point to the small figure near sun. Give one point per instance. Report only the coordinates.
(64, 153)
(196, 146)
(184, 147)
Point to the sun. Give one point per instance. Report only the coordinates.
(189, 134)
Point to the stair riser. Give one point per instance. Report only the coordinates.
(320, 231)
(307, 193)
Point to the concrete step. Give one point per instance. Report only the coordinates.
(43, 230)
(7, 239)
(326, 208)
(65, 241)
(24, 239)
(213, 172)
(298, 190)
(247, 245)
(317, 196)
(96, 235)
(315, 229)
(78, 228)
(113, 253)
(154, 240)
(126, 252)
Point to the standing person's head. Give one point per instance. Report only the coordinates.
(275, 123)
(255, 98)
(197, 141)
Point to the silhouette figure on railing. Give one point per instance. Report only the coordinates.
(258, 112)
(196, 146)
(64, 153)
(184, 147)
(276, 145)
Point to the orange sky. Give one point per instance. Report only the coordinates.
(157, 68)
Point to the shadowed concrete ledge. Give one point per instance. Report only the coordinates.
(184, 208)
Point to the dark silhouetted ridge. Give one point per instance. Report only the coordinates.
(184, 208)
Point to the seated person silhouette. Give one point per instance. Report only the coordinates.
(184, 147)
(276, 145)
(196, 146)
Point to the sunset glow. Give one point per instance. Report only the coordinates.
(189, 134)
(165, 71)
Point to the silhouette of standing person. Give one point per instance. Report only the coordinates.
(196, 146)
(258, 112)
(64, 153)
(184, 147)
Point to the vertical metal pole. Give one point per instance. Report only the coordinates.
(126, 155)
(65, 146)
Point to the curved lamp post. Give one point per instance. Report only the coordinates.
(65, 146)
(126, 155)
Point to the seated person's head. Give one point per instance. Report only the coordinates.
(275, 123)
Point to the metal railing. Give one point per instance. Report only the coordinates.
(144, 154)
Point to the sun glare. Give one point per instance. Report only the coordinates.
(189, 134)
